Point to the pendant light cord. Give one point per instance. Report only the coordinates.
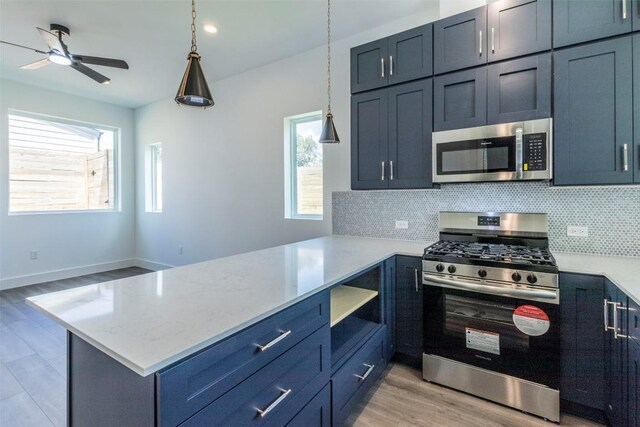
(329, 55)
(194, 47)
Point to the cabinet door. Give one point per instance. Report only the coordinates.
(369, 66)
(460, 100)
(586, 20)
(583, 340)
(410, 129)
(411, 54)
(409, 316)
(617, 359)
(633, 370)
(634, 150)
(506, 21)
(519, 89)
(593, 113)
(636, 14)
(369, 140)
(460, 41)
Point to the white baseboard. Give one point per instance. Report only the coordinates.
(152, 265)
(31, 279)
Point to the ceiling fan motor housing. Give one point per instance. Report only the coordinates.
(59, 29)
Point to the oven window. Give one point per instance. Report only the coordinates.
(477, 156)
(463, 314)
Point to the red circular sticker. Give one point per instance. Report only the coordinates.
(531, 320)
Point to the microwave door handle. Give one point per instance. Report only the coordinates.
(519, 173)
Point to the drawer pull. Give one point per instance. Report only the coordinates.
(264, 412)
(274, 342)
(366, 374)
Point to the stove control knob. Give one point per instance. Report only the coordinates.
(440, 268)
(532, 278)
(482, 272)
(516, 277)
(452, 269)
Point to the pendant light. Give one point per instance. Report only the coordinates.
(329, 134)
(193, 90)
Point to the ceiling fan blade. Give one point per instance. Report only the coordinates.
(106, 62)
(90, 73)
(53, 41)
(37, 64)
(24, 47)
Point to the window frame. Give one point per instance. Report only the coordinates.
(117, 139)
(153, 178)
(291, 181)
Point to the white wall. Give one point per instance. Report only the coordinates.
(72, 243)
(452, 7)
(224, 167)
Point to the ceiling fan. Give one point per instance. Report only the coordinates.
(59, 54)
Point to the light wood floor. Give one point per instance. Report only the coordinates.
(403, 399)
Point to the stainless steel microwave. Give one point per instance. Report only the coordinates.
(505, 152)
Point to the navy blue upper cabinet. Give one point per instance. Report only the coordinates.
(586, 20)
(460, 41)
(395, 59)
(519, 89)
(634, 153)
(582, 340)
(518, 27)
(593, 120)
(409, 315)
(369, 140)
(368, 66)
(410, 135)
(460, 99)
(410, 54)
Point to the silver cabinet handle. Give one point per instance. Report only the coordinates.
(617, 306)
(415, 279)
(391, 170)
(624, 9)
(381, 67)
(493, 40)
(366, 374)
(607, 303)
(625, 157)
(480, 44)
(391, 65)
(264, 412)
(382, 175)
(274, 342)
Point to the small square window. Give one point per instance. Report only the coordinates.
(154, 178)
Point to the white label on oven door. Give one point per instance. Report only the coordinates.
(531, 320)
(483, 340)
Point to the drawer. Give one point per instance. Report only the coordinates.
(351, 382)
(634, 321)
(316, 413)
(189, 386)
(280, 389)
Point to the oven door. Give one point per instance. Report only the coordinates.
(512, 336)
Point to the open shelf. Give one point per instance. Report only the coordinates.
(346, 336)
(347, 299)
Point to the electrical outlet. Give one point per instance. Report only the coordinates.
(403, 225)
(179, 250)
(33, 255)
(575, 231)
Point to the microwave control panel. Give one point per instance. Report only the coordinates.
(535, 152)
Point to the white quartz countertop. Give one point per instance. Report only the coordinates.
(147, 322)
(150, 321)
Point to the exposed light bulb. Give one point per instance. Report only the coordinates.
(106, 82)
(211, 29)
(59, 59)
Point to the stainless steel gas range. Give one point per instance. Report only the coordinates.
(492, 310)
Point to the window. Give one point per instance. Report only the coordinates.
(155, 177)
(303, 163)
(60, 165)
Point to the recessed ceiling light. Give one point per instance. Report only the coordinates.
(211, 29)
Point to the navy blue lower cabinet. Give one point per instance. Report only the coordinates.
(389, 298)
(189, 386)
(460, 99)
(634, 384)
(316, 413)
(582, 340)
(519, 89)
(352, 381)
(616, 356)
(274, 394)
(409, 306)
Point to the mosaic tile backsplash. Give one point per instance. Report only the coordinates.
(611, 213)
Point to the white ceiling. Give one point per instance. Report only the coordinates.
(154, 38)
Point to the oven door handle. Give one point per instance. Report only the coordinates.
(441, 282)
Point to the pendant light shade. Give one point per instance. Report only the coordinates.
(329, 134)
(194, 90)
